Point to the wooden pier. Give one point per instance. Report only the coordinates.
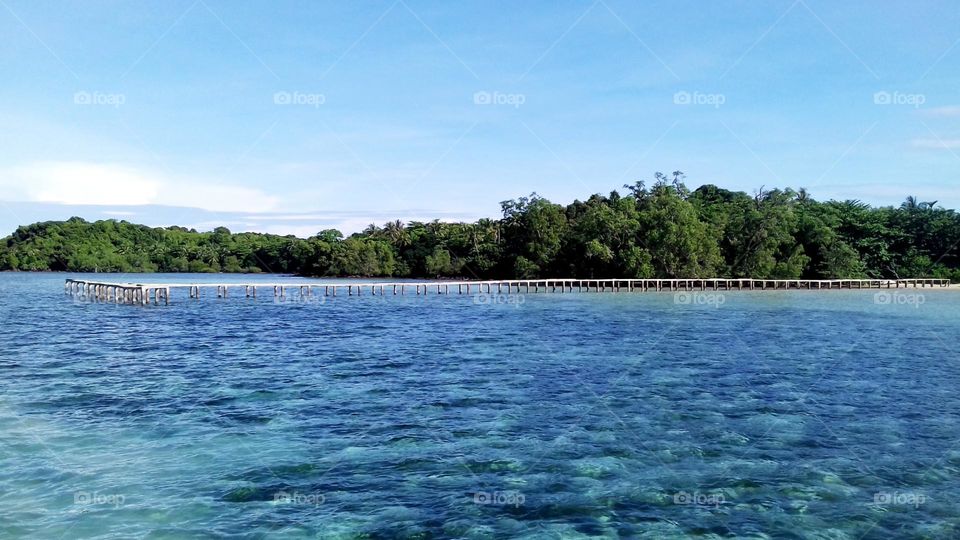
(143, 293)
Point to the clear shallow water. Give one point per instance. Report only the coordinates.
(773, 415)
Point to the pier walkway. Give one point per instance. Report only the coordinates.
(142, 293)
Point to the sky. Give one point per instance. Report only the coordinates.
(294, 117)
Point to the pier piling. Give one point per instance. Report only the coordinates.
(157, 293)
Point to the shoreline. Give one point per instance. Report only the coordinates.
(466, 279)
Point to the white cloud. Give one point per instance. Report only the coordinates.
(221, 198)
(301, 231)
(369, 216)
(293, 217)
(230, 224)
(84, 183)
(937, 144)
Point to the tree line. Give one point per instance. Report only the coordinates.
(661, 230)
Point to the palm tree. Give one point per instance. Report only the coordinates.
(436, 229)
(490, 228)
(910, 203)
(397, 233)
(854, 205)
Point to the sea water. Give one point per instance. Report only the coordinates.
(788, 414)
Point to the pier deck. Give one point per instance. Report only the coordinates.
(141, 293)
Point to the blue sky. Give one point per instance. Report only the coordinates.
(292, 117)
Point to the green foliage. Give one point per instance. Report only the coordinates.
(440, 263)
(661, 231)
(681, 245)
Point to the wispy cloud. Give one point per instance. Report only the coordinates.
(86, 183)
(303, 224)
(306, 231)
(890, 194)
(950, 111)
(936, 144)
(375, 216)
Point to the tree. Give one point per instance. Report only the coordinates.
(679, 243)
(657, 229)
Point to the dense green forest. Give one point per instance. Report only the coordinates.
(663, 230)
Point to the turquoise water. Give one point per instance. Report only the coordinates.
(749, 415)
